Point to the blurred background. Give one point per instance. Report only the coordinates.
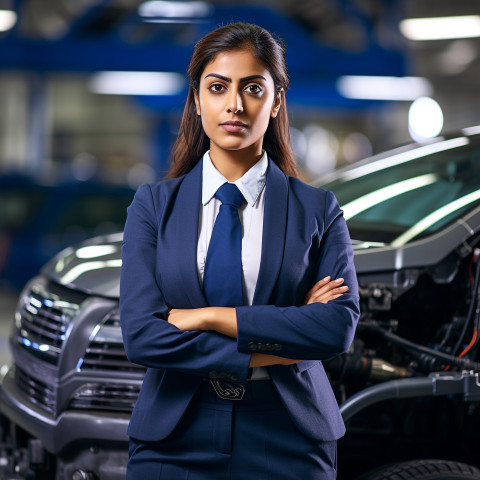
(92, 91)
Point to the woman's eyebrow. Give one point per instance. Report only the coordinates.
(229, 80)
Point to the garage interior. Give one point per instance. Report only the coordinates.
(92, 93)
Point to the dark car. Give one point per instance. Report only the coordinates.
(408, 387)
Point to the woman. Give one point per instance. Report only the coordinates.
(233, 333)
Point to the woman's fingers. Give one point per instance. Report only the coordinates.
(330, 295)
(325, 290)
(317, 286)
(326, 297)
(323, 285)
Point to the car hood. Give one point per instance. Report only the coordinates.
(92, 266)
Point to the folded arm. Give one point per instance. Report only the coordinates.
(319, 329)
(224, 320)
(149, 339)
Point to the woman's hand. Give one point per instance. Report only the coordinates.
(223, 320)
(220, 319)
(188, 319)
(325, 290)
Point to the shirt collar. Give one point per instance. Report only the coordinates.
(250, 184)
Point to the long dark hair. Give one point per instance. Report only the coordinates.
(192, 142)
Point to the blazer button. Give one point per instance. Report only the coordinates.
(277, 347)
(261, 347)
(213, 374)
(270, 347)
(252, 346)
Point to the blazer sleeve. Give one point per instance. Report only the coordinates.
(317, 331)
(148, 337)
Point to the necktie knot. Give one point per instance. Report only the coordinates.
(229, 194)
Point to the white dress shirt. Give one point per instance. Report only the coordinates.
(252, 187)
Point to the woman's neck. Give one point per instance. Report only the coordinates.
(233, 164)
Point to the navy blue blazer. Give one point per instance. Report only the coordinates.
(305, 238)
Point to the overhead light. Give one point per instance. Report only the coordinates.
(8, 18)
(425, 119)
(441, 28)
(365, 87)
(137, 83)
(159, 10)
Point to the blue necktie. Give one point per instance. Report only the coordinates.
(222, 278)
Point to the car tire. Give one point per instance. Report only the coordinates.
(424, 470)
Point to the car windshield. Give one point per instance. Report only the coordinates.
(411, 193)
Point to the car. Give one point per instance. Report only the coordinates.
(408, 388)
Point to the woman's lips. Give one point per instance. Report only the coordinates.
(233, 127)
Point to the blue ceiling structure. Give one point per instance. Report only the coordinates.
(109, 36)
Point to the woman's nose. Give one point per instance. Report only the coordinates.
(234, 103)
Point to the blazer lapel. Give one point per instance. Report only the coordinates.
(274, 230)
(189, 199)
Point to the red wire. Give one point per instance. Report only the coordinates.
(470, 345)
(475, 333)
(470, 269)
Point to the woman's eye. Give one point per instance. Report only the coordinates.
(254, 89)
(216, 87)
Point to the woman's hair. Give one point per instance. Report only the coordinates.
(192, 142)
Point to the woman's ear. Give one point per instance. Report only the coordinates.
(277, 103)
(197, 102)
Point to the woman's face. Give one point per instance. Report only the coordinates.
(236, 99)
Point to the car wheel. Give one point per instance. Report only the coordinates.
(424, 470)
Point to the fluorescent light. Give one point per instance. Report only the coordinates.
(8, 19)
(435, 217)
(371, 199)
(404, 157)
(383, 88)
(137, 83)
(167, 9)
(441, 28)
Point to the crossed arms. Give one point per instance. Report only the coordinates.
(224, 320)
(199, 341)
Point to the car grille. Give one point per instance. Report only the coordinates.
(104, 356)
(37, 392)
(107, 396)
(42, 321)
(106, 351)
(118, 397)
